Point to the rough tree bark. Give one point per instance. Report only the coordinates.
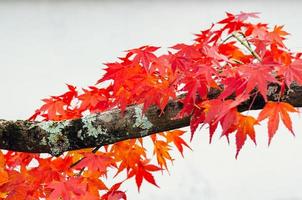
(111, 126)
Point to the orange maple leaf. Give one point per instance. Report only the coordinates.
(161, 150)
(174, 136)
(245, 128)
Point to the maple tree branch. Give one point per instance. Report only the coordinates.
(112, 126)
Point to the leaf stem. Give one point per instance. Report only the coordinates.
(242, 34)
(247, 45)
(253, 100)
(226, 39)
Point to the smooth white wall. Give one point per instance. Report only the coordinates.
(45, 44)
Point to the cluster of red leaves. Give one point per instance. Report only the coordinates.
(234, 56)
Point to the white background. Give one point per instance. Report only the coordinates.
(45, 44)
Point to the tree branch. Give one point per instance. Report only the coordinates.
(111, 126)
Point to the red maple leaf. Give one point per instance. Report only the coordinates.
(143, 55)
(94, 100)
(96, 162)
(292, 72)
(115, 194)
(142, 171)
(257, 76)
(272, 110)
(66, 189)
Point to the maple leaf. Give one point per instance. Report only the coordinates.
(272, 110)
(112, 71)
(161, 65)
(245, 128)
(292, 72)
(142, 171)
(126, 78)
(96, 162)
(66, 189)
(154, 89)
(205, 36)
(229, 122)
(258, 30)
(115, 194)
(235, 84)
(178, 62)
(128, 153)
(51, 169)
(174, 136)
(281, 56)
(57, 108)
(198, 81)
(70, 95)
(244, 16)
(21, 186)
(143, 55)
(187, 52)
(93, 182)
(14, 159)
(231, 24)
(54, 108)
(277, 35)
(94, 100)
(259, 76)
(216, 109)
(161, 150)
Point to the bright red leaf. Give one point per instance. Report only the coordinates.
(272, 111)
(143, 171)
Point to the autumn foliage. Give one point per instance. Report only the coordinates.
(239, 58)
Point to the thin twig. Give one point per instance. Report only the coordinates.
(226, 39)
(248, 47)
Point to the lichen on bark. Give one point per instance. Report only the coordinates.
(92, 127)
(141, 121)
(55, 139)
